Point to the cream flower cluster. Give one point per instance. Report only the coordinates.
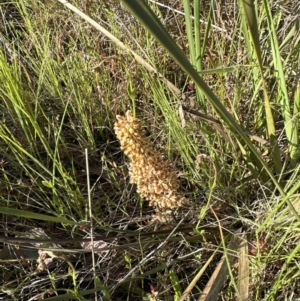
(155, 177)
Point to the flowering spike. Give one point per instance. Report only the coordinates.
(155, 177)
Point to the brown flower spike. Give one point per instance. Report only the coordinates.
(155, 177)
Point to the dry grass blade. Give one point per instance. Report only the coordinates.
(217, 279)
(243, 276)
(92, 246)
(196, 278)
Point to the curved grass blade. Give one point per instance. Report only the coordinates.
(147, 17)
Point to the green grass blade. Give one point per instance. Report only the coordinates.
(148, 18)
(194, 41)
(283, 97)
(251, 20)
(33, 215)
(294, 151)
(176, 284)
(190, 30)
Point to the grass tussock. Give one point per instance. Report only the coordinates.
(217, 133)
